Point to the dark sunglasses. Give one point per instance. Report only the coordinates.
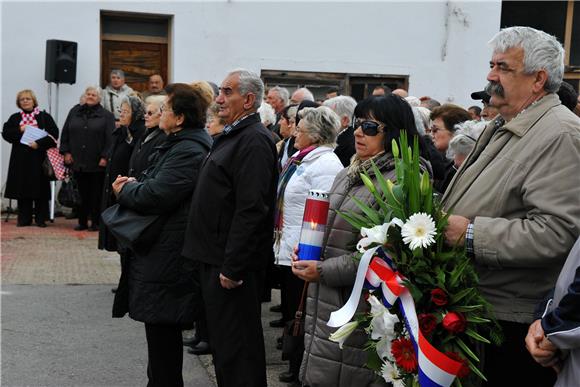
(369, 128)
(150, 113)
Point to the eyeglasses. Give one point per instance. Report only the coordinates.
(369, 128)
(149, 113)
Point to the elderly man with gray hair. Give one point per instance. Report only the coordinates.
(343, 106)
(516, 198)
(115, 92)
(463, 141)
(230, 231)
(301, 94)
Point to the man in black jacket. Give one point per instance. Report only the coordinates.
(230, 231)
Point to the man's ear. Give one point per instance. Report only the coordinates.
(250, 99)
(540, 81)
(180, 119)
(344, 121)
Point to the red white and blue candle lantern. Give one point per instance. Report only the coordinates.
(313, 226)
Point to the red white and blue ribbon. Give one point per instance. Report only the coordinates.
(435, 368)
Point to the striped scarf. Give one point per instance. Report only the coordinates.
(285, 176)
(29, 118)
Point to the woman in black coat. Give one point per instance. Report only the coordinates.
(26, 180)
(85, 143)
(161, 282)
(131, 128)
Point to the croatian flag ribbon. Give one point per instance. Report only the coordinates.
(313, 226)
(435, 368)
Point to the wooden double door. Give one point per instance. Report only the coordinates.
(137, 59)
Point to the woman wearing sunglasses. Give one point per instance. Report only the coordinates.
(378, 120)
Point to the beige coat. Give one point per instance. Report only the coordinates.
(520, 187)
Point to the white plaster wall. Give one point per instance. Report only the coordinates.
(210, 38)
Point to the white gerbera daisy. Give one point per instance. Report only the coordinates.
(391, 375)
(418, 231)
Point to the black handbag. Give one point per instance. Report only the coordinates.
(293, 336)
(47, 169)
(68, 195)
(132, 229)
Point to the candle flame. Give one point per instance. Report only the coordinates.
(313, 225)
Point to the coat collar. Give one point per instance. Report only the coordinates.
(198, 135)
(240, 124)
(523, 122)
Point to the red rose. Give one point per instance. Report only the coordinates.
(464, 370)
(404, 354)
(454, 322)
(439, 297)
(427, 323)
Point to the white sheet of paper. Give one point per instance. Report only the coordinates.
(32, 134)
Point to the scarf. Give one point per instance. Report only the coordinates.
(285, 176)
(30, 118)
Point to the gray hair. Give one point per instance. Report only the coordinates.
(136, 105)
(343, 106)
(155, 100)
(466, 135)
(118, 72)
(541, 52)
(308, 96)
(250, 82)
(321, 123)
(422, 118)
(267, 114)
(292, 110)
(97, 89)
(283, 93)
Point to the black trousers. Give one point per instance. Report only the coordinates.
(235, 329)
(512, 358)
(91, 190)
(25, 211)
(165, 351)
(290, 292)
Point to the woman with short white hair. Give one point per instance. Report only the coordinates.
(85, 143)
(462, 143)
(313, 166)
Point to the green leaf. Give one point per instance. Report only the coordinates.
(466, 349)
(476, 370)
(473, 334)
(478, 320)
(467, 308)
(353, 222)
(371, 213)
(460, 295)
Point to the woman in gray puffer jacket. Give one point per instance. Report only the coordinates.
(379, 120)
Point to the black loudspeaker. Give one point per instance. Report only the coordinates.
(61, 61)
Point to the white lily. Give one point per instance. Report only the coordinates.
(419, 231)
(343, 333)
(384, 348)
(377, 234)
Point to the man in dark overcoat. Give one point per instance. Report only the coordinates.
(230, 231)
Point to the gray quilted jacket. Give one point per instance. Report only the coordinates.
(324, 363)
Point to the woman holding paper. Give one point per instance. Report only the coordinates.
(26, 180)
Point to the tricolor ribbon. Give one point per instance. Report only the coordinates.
(435, 368)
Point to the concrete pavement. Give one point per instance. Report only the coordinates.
(57, 328)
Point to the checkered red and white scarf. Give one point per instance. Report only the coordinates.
(30, 118)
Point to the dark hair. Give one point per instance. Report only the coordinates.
(477, 109)
(284, 112)
(568, 95)
(396, 114)
(188, 102)
(305, 104)
(451, 115)
(333, 89)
